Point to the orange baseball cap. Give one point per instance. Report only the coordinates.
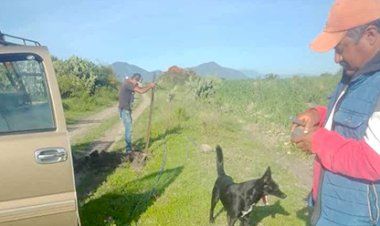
(344, 15)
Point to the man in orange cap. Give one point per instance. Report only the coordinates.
(345, 135)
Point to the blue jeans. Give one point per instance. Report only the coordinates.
(126, 117)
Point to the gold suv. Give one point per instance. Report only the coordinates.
(36, 169)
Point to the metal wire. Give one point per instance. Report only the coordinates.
(146, 199)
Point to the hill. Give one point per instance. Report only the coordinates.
(121, 69)
(215, 69)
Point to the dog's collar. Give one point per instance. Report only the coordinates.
(248, 211)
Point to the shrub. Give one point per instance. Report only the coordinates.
(77, 75)
(202, 88)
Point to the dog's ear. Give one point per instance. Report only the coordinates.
(268, 171)
(267, 175)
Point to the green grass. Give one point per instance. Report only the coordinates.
(180, 194)
(274, 101)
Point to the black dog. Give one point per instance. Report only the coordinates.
(239, 199)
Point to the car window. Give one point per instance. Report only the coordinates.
(25, 104)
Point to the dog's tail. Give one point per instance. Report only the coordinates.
(219, 161)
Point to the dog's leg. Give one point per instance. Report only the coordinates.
(214, 200)
(245, 220)
(231, 220)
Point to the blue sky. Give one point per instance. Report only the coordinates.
(269, 36)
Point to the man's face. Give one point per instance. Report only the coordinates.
(350, 55)
(135, 81)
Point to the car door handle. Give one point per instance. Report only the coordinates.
(50, 155)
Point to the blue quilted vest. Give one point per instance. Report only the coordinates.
(342, 200)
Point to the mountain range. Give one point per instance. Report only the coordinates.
(214, 69)
(121, 69)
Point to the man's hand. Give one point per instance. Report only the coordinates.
(303, 128)
(152, 85)
(144, 89)
(303, 141)
(308, 119)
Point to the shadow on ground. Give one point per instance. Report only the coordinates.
(303, 214)
(261, 212)
(93, 169)
(140, 143)
(127, 206)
